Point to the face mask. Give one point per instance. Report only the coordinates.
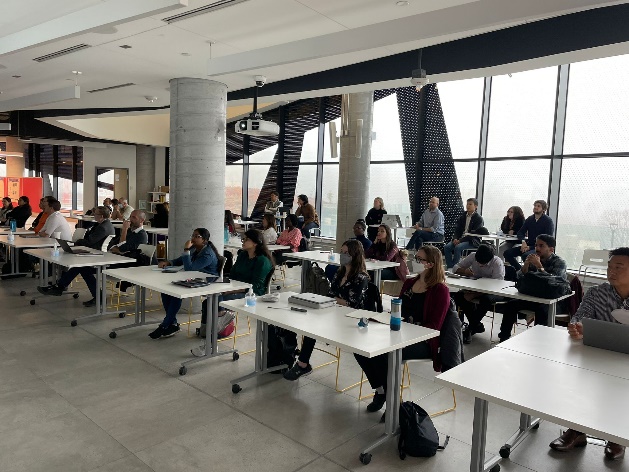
(420, 267)
(345, 259)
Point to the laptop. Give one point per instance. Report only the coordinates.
(606, 335)
(392, 221)
(76, 251)
(311, 300)
(196, 283)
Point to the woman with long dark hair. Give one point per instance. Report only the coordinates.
(349, 287)
(198, 254)
(425, 301)
(21, 212)
(7, 206)
(385, 249)
(510, 225)
(268, 229)
(160, 220)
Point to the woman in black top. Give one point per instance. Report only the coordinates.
(374, 217)
(21, 213)
(510, 225)
(349, 286)
(160, 220)
(7, 206)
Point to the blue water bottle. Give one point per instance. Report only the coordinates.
(396, 314)
(13, 225)
(226, 235)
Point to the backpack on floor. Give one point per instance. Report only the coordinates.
(418, 436)
(281, 347)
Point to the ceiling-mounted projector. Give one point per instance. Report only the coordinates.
(255, 125)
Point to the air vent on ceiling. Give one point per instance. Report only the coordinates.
(111, 88)
(203, 10)
(62, 52)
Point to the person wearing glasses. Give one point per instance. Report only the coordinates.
(425, 302)
(198, 254)
(349, 287)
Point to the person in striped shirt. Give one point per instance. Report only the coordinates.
(599, 303)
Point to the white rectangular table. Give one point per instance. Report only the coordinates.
(233, 244)
(14, 247)
(505, 289)
(330, 325)
(246, 223)
(146, 277)
(72, 261)
(154, 232)
(551, 377)
(495, 237)
(323, 257)
(90, 219)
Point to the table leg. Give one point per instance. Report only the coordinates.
(140, 312)
(552, 312)
(377, 275)
(479, 440)
(304, 270)
(101, 298)
(526, 425)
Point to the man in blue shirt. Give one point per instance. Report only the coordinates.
(538, 223)
(430, 227)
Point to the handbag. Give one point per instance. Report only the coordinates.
(541, 285)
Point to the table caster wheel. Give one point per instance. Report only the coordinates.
(365, 458)
(495, 468)
(22, 293)
(75, 296)
(505, 451)
(235, 356)
(120, 315)
(73, 323)
(182, 370)
(536, 426)
(32, 302)
(236, 388)
(113, 335)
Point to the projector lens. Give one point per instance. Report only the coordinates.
(243, 125)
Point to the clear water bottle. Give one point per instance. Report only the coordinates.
(250, 298)
(331, 256)
(226, 234)
(10, 237)
(55, 250)
(407, 220)
(396, 314)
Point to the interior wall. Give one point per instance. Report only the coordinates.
(160, 166)
(114, 155)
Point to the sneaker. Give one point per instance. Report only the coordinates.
(296, 371)
(467, 336)
(52, 290)
(90, 303)
(198, 351)
(480, 328)
(171, 330)
(158, 333)
(379, 399)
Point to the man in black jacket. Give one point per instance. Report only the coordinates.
(469, 222)
(96, 235)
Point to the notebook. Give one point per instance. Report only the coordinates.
(311, 300)
(606, 335)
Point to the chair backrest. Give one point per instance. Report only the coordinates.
(148, 250)
(268, 280)
(303, 245)
(221, 264)
(78, 234)
(106, 242)
(374, 300)
(595, 259)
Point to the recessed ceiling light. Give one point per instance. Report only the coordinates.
(186, 54)
(77, 72)
(401, 3)
(125, 46)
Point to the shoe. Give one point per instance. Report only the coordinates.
(480, 328)
(614, 451)
(52, 290)
(296, 371)
(467, 336)
(379, 399)
(198, 351)
(158, 333)
(569, 440)
(90, 303)
(171, 331)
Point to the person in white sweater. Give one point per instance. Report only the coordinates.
(268, 229)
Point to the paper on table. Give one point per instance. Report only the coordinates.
(384, 318)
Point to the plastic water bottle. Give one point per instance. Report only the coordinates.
(226, 234)
(396, 314)
(10, 237)
(331, 256)
(250, 298)
(13, 225)
(55, 250)
(407, 220)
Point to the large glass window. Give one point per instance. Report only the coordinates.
(598, 106)
(233, 188)
(264, 156)
(387, 142)
(388, 181)
(329, 200)
(64, 191)
(462, 105)
(466, 174)
(593, 211)
(306, 185)
(310, 146)
(522, 113)
(513, 183)
(257, 175)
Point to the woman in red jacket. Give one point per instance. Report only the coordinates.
(425, 301)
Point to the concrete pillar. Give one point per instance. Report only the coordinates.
(354, 162)
(198, 109)
(144, 174)
(15, 157)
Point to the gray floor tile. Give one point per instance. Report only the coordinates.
(127, 464)
(322, 465)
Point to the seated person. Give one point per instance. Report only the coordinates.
(359, 233)
(160, 220)
(468, 222)
(132, 234)
(274, 205)
(107, 203)
(545, 261)
(430, 227)
(385, 249)
(291, 236)
(115, 212)
(229, 222)
(426, 302)
(538, 223)
(268, 229)
(93, 238)
(511, 224)
(125, 208)
(198, 254)
(56, 223)
(21, 213)
(252, 266)
(306, 211)
(40, 220)
(374, 217)
(350, 289)
(7, 206)
(600, 303)
(481, 264)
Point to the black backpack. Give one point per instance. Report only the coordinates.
(418, 436)
(538, 284)
(281, 347)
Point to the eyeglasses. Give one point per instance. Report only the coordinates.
(194, 236)
(244, 238)
(420, 259)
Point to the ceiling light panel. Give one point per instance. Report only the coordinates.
(61, 52)
(212, 7)
(113, 87)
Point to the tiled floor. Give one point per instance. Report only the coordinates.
(71, 399)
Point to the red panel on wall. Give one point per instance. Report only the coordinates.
(33, 188)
